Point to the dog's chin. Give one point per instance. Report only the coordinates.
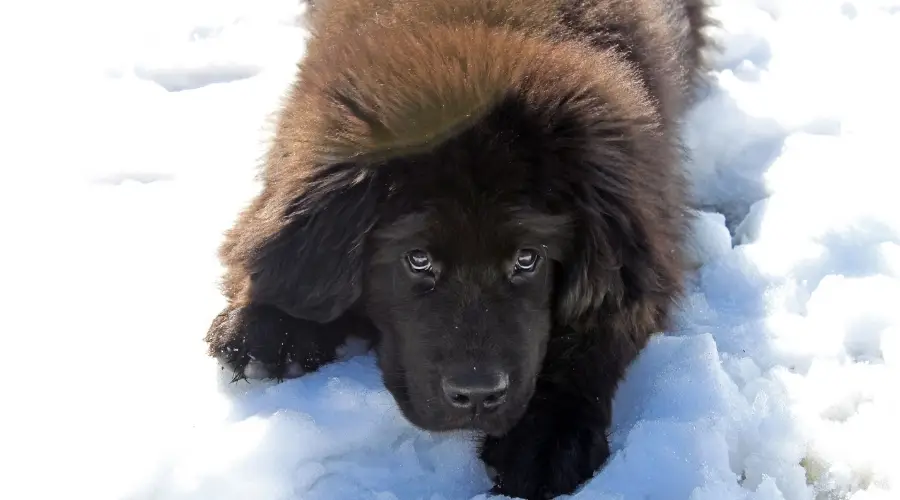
(446, 420)
(493, 425)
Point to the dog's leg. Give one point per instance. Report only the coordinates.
(261, 342)
(561, 440)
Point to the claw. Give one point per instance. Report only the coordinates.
(294, 370)
(256, 370)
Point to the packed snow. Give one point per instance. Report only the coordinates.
(131, 131)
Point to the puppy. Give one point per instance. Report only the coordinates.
(490, 190)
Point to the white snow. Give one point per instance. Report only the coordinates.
(781, 381)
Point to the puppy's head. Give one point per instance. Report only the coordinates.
(455, 255)
(463, 297)
(525, 226)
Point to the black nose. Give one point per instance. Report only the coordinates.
(476, 390)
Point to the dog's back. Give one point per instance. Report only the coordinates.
(662, 38)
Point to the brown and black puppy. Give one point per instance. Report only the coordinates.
(493, 191)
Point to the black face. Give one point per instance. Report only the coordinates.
(463, 300)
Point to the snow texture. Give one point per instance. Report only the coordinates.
(780, 382)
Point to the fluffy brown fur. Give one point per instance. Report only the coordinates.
(473, 131)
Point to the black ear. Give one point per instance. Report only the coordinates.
(311, 268)
(588, 274)
(626, 268)
(615, 279)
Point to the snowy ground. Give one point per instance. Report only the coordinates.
(782, 381)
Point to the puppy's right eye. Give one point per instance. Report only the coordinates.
(419, 261)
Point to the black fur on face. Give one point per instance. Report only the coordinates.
(464, 294)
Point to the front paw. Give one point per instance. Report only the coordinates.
(262, 342)
(545, 456)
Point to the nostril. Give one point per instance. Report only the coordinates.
(458, 394)
(494, 399)
(460, 400)
(470, 390)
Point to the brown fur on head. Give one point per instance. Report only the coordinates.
(467, 131)
(418, 72)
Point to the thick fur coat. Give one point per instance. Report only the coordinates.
(490, 190)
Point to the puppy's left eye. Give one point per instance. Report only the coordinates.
(526, 261)
(419, 261)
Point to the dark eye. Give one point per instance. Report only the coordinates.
(419, 261)
(526, 261)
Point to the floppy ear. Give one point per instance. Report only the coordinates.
(625, 270)
(305, 255)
